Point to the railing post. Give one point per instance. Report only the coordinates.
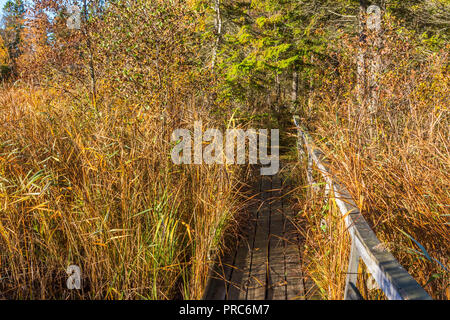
(351, 291)
(309, 174)
(301, 152)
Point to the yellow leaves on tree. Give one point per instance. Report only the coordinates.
(4, 55)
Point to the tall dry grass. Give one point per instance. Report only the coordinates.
(96, 187)
(324, 236)
(399, 175)
(86, 176)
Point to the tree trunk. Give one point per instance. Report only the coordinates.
(374, 25)
(369, 67)
(361, 59)
(310, 89)
(294, 92)
(91, 56)
(277, 90)
(218, 25)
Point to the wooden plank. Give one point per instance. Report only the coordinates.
(295, 289)
(259, 263)
(276, 287)
(231, 282)
(241, 292)
(350, 291)
(295, 285)
(240, 272)
(294, 275)
(267, 261)
(219, 274)
(237, 288)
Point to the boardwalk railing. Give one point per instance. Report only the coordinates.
(391, 277)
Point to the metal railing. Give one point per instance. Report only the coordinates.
(391, 277)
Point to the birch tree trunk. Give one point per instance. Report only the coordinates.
(369, 67)
(91, 56)
(374, 24)
(294, 92)
(361, 59)
(218, 25)
(310, 89)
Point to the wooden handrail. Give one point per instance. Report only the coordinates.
(391, 277)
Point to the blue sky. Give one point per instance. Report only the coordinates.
(2, 3)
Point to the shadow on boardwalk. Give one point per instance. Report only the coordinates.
(266, 264)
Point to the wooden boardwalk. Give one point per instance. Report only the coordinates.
(267, 262)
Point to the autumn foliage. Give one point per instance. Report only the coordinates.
(86, 117)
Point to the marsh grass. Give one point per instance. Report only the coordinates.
(96, 187)
(395, 163)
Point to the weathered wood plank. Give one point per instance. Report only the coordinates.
(259, 265)
(235, 266)
(266, 264)
(240, 273)
(295, 289)
(219, 274)
(241, 293)
(237, 288)
(351, 291)
(294, 274)
(276, 287)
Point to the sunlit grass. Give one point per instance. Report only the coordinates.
(96, 188)
(395, 164)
